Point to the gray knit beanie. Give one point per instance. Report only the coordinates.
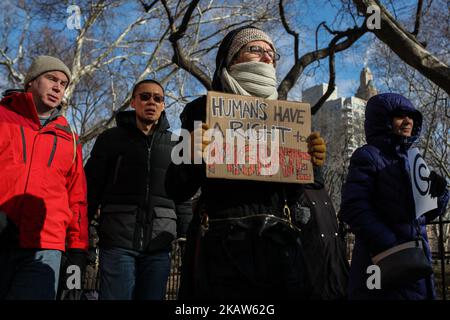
(245, 36)
(44, 64)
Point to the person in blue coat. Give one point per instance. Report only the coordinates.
(377, 199)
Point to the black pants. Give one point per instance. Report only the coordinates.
(244, 262)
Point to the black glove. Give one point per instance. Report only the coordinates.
(438, 184)
(74, 257)
(77, 257)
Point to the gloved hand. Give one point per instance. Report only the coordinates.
(316, 148)
(438, 184)
(74, 257)
(93, 235)
(197, 148)
(91, 275)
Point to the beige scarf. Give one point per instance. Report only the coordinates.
(251, 79)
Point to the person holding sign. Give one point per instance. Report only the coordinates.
(377, 197)
(241, 242)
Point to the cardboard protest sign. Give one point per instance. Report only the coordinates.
(258, 139)
(419, 173)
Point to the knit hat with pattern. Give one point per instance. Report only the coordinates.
(243, 37)
(230, 45)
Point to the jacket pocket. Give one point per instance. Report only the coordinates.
(117, 225)
(62, 151)
(120, 208)
(164, 222)
(24, 145)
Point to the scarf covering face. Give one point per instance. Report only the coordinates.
(251, 79)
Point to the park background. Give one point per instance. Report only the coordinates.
(335, 54)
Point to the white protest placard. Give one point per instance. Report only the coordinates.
(419, 173)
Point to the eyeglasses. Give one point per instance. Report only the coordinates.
(259, 51)
(145, 96)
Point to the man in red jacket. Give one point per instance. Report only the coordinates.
(43, 207)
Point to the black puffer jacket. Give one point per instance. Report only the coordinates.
(126, 176)
(240, 254)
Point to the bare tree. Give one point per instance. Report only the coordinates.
(406, 45)
(175, 42)
(103, 60)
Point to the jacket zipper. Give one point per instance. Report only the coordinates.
(415, 221)
(27, 167)
(52, 154)
(30, 163)
(24, 145)
(147, 191)
(116, 169)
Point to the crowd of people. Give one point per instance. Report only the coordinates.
(240, 243)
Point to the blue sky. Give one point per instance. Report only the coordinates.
(349, 62)
(305, 16)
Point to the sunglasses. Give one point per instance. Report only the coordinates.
(147, 96)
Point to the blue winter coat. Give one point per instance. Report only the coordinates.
(377, 200)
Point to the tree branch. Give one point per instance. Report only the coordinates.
(406, 46)
(147, 7)
(101, 126)
(179, 56)
(179, 33)
(351, 35)
(331, 81)
(289, 30)
(76, 64)
(8, 63)
(418, 16)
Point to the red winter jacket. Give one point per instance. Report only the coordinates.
(42, 182)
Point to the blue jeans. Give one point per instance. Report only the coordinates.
(128, 274)
(29, 274)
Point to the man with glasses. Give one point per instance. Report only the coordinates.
(245, 257)
(126, 176)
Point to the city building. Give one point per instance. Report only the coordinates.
(341, 122)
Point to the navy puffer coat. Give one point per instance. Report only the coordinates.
(377, 200)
